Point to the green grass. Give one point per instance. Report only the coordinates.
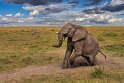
(23, 47)
(109, 34)
(101, 76)
(111, 41)
(115, 49)
(98, 73)
(27, 46)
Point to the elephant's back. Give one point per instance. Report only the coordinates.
(91, 40)
(91, 44)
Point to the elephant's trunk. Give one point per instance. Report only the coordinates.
(60, 39)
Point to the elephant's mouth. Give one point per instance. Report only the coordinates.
(65, 35)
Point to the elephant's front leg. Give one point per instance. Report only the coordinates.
(68, 53)
(77, 52)
(66, 58)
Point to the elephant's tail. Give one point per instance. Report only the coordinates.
(102, 53)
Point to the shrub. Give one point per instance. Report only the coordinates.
(6, 60)
(100, 39)
(122, 34)
(27, 60)
(98, 73)
(112, 34)
(117, 49)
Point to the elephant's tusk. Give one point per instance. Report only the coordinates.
(57, 32)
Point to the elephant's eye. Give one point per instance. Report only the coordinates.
(69, 28)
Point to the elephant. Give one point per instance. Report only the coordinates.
(79, 43)
(80, 61)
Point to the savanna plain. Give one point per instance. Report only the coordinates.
(27, 56)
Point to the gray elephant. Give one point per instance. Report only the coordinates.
(80, 61)
(83, 43)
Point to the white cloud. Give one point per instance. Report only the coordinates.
(18, 15)
(21, 20)
(34, 13)
(114, 20)
(13, 19)
(117, 2)
(32, 19)
(36, 10)
(58, 13)
(9, 15)
(80, 19)
(4, 19)
(32, 8)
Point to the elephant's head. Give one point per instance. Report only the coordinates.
(70, 30)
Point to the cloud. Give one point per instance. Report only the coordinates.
(76, 16)
(73, 3)
(4, 19)
(83, 18)
(36, 10)
(18, 14)
(115, 20)
(33, 2)
(13, 19)
(92, 2)
(53, 12)
(117, 2)
(80, 19)
(96, 10)
(114, 8)
(99, 22)
(34, 13)
(104, 18)
(115, 5)
(9, 15)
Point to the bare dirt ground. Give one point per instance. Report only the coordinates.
(111, 63)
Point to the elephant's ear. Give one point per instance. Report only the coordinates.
(80, 33)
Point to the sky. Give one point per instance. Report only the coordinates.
(58, 12)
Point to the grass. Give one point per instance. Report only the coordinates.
(115, 49)
(27, 46)
(98, 75)
(21, 47)
(24, 46)
(111, 39)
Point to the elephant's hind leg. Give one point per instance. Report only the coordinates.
(80, 61)
(91, 59)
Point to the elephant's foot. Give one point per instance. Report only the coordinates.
(91, 60)
(91, 63)
(65, 66)
(71, 62)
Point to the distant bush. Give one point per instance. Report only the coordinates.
(98, 73)
(27, 60)
(116, 48)
(122, 34)
(100, 39)
(6, 60)
(112, 34)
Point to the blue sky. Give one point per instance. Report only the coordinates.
(58, 12)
